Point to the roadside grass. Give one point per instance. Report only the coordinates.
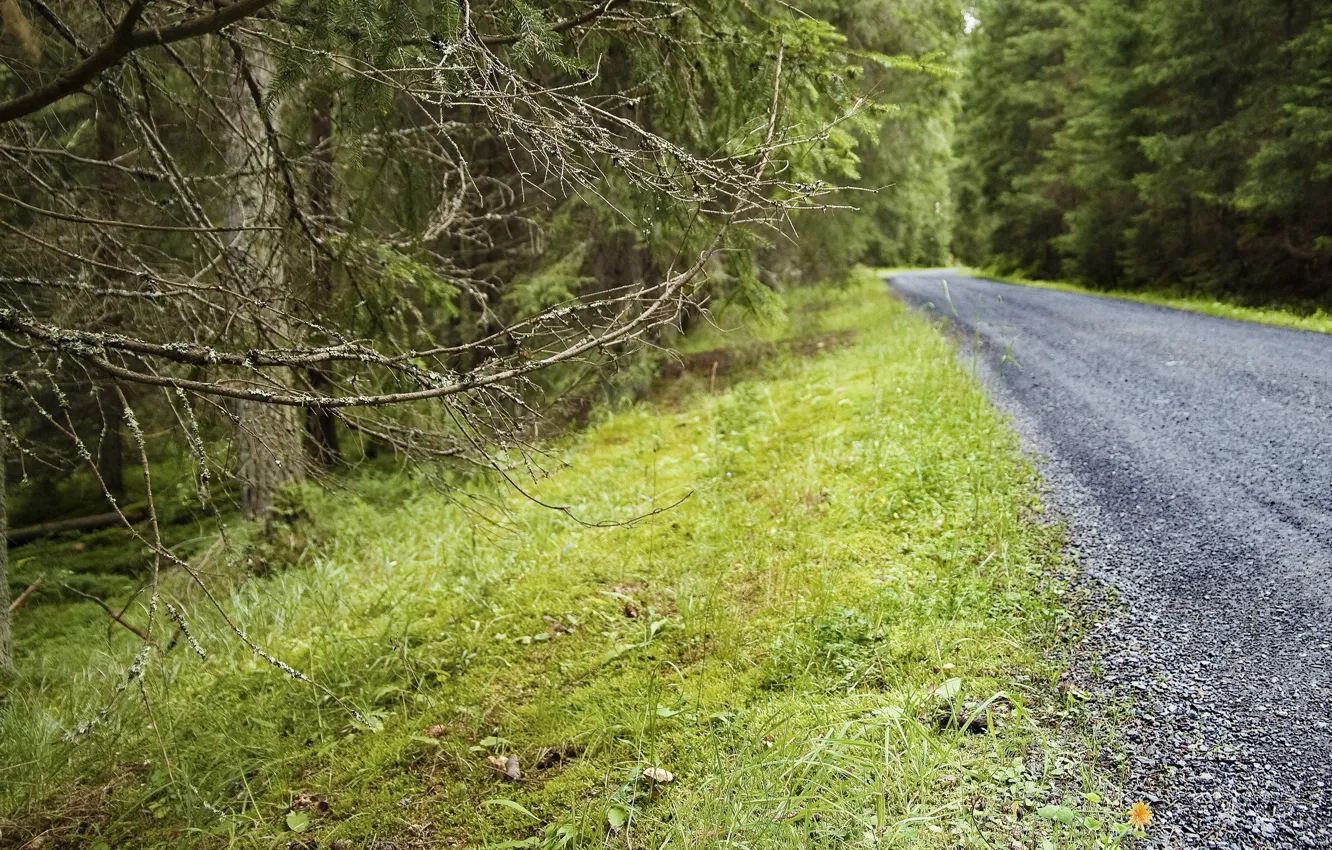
(1314, 320)
(849, 632)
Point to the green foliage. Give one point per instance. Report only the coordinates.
(1289, 177)
(550, 285)
(903, 215)
(799, 642)
(1151, 145)
(1011, 111)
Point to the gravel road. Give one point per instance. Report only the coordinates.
(1192, 456)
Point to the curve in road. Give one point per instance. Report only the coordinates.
(1192, 456)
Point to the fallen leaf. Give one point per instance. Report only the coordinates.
(557, 628)
(555, 756)
(436, 731)
(297, 821)
(309, 802)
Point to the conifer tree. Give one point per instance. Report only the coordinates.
(1177, 145)
(1012, 107)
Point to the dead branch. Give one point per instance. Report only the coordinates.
(124, 40)
(18, 600)
(143, 635)
(83, 523)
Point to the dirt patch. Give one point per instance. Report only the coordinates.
(721, 362)
(715, 363)
(811, 345)
(72, 820)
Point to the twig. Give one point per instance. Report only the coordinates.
(13, 606)
(107, 608)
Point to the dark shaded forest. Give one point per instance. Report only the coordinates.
(1182, 146)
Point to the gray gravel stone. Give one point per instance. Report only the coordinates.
(1192, 458)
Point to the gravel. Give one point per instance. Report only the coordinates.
(1192, 457)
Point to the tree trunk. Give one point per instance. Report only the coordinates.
(6, 642)
(268, 444)
(322, 425)
(268, 453)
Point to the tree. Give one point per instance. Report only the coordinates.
(1287, 189)
(906, 157)
(1097, 150)
(1180, 149)
(269, 453)
(6, 639)
(1008, 208)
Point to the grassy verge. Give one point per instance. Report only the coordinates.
(1316, 320)
(847, 634)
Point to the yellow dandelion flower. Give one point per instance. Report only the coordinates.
(1140, 815)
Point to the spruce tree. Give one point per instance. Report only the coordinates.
(1009, 211)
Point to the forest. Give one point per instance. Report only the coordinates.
(1151, 146)
(275, 272)
(266, 242)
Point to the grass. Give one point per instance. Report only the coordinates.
(848, 633)
(1315, 320)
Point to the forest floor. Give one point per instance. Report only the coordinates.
(1308, 320)
(850, 629)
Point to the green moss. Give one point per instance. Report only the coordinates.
(851, 573)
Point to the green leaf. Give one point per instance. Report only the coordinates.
(949, 690)
(298, 821)
(617, 817)
(1062, 814)
(510, 804)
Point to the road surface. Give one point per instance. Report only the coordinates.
(1192, 456)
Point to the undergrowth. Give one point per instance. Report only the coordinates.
(847, 633)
